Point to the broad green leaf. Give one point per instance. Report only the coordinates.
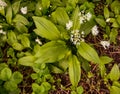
(9, 15)
(27, 60)
(10, 86)
(25, 41)
(105, 59)
(60, 16)
(74, 70)
(106, 12)
(11, 37)
(17, 46)
(116, 83)
(113, 35)
(46, 28)
(51, 52)
(17, 77)
(16, 6)
(75, 19)
(114, 73)
(101, 22)
(20, 19)
(88, 52)
(114, 90)
(21, 27)
(5, 74)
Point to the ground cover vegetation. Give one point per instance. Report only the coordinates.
(59, 47)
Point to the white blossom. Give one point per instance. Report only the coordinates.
(24, 10)
(95, 30)
(105, 44)
(3, 4)
(1, 32)
(76, 37)
(108, 20)
(69, 25)
(88, 16)
(40, 8)
(81, 19)
(84, 17)
(38, 41)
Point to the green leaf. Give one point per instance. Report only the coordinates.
(105, 59)
(102, 70)
(114, 73)
(11, 37)
(21, 27)
(115, 6)
(74, 70)
(16, 6)
(55, 69)
(109, 1)
(106, 12)
(46, 28)
(88, 52)
(80, 90)
(46, 85)
(38, 89)
(9, 15)
(51, 52)
(3, 65)
(116, 83)
(10, 86)
(20, 19)
(17, 77)
(113, 35)
(118, 19)
(24, 41)
(60, 16)
(114, 90)
(27, 60)
(45, 5)
(17, 46)
(101, 22)
(5, 74)
(75, 19)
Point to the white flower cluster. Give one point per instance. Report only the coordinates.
(38, 41)
(24, 10)
(2, 32)
(76, 37)
(69, 25)
(105, 44)
(2, 4)
(95, 30)
(84, 17)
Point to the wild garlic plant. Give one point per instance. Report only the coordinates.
(50, 36)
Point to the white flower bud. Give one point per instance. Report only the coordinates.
(24, 10)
